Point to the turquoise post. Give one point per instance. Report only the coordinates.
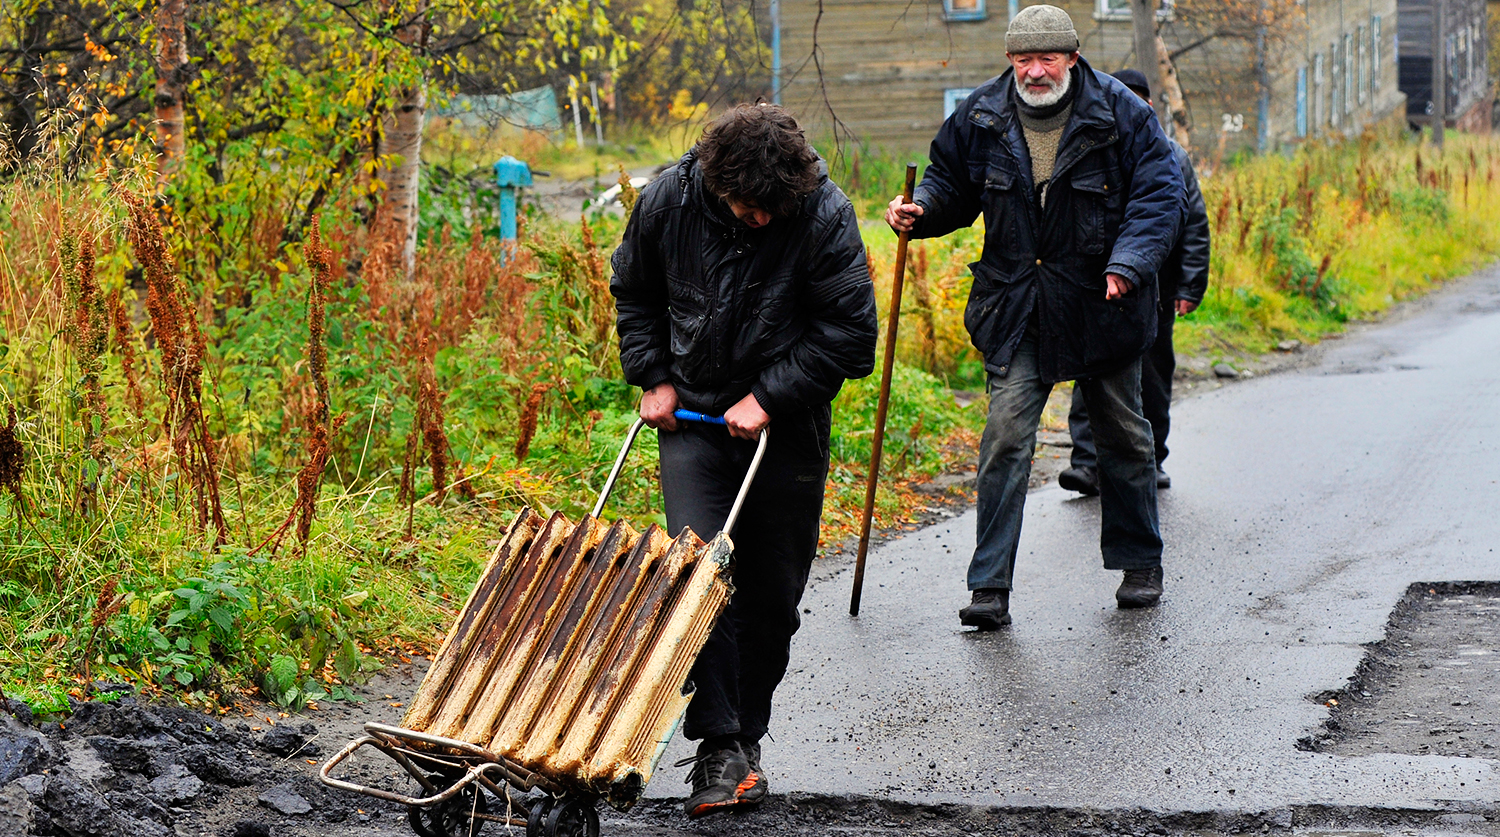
(510, 175)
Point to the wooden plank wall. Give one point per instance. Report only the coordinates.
(886, 63)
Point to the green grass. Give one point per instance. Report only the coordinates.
(1388, 234)
(133, 588)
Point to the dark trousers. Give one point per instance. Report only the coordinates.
(1129, 535)
(775, 539)
(1156, 399)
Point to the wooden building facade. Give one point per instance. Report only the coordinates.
(889, 71)
(1467, 103)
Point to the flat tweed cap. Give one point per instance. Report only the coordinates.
(1041, 29)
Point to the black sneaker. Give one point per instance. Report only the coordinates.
(718, 771)
(1162, 480)
(1141, 588)
(753, 790)
(988, 610)
(1084, 480)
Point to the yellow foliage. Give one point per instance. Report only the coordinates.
(684, 109)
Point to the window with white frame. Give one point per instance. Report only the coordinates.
(952, 97)
(1301, 102)
(1348, 55)
(964, 10)
(1335, 62)
(1318, 88)
(1468, 47)
(1362, 74)
(1376, 67)
(1120, 9)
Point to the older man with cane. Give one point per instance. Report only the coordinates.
(1082, 202)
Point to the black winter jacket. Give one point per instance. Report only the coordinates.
(786, 311)
(1184, 275)
(1115, 206)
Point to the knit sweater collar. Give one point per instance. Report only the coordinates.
(1055, 112)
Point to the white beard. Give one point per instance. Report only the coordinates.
(1058, 89)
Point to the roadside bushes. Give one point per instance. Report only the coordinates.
(1302, 243)
(166, 425)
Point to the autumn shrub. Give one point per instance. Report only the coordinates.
(1302, 244)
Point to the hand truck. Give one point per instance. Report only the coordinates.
(565, 675)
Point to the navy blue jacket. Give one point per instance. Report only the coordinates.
(1115, 206)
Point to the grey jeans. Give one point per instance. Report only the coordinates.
(1130, 536)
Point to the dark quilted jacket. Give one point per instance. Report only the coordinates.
(1184, 275)
(1116, 206)
(720, 310)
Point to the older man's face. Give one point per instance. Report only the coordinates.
(1042, 77)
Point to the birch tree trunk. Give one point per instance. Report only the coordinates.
(402, 137)
(1143, 21)
(1171, 91)
(171, 75)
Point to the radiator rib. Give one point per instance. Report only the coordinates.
(571, 652)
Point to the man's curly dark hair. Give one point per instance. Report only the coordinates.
(757, 154)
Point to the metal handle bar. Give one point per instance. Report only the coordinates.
(686, 415)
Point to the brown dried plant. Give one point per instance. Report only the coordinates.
(180, 341)
(109, 602)
(124, 331)
(430, 418)
(88, 331)
(528, 419)
(602, 308)
(426, 434)
(12, 460)
(922, 292)
(629, 194)
(320, 429)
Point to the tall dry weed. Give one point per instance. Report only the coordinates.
(88, 332)
(529, 414)
(12, 460)
(320, 428)
(124, 332)
(174, 324)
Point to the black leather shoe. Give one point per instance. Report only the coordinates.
(988, 610)
(1162, 480)
(1141, 588)
(1084, 480)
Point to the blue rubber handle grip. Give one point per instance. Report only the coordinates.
(689, 415)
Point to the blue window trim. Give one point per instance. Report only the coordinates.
(952, 97)
(977, 13)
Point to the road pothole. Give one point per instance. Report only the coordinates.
(1429, 687)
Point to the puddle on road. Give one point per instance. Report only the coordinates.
(1429, 687)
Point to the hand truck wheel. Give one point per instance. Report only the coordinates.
(536, 821)
(451, 818)
(573, 816)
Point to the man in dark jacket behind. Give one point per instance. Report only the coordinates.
(742, 289)
(1081, 201)
(1180, 287)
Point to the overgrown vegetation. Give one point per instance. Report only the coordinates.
(1302, 244)
(221, 485)
(235, 460)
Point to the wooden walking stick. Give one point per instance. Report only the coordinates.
(892, 322)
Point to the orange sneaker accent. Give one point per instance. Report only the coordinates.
(709, 807)
(747, 783)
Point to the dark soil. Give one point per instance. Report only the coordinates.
(1431, 687)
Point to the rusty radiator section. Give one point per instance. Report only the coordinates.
(570, 655)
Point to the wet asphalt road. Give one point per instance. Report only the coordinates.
(1303, 506)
